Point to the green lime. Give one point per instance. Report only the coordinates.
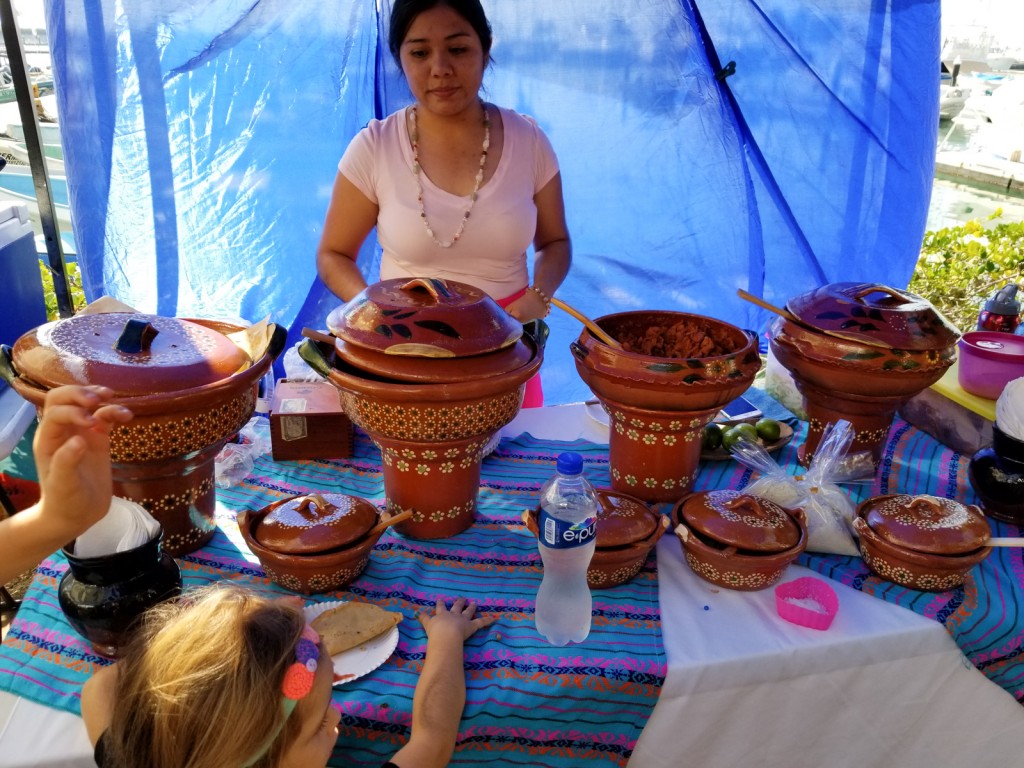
(769, 430)
(740, 432)
(712, 437)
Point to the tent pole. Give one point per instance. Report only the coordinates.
(37, 162)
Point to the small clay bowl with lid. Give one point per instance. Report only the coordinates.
(627, 530)
(425, 317)
(315, 543)
(736, 540)
(922, 542)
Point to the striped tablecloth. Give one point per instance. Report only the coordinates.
(986, 615)
(528, 703)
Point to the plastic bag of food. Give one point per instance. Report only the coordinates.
(774, 483)
(828, 509)
(236, 459)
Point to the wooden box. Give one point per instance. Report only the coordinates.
(306, 422)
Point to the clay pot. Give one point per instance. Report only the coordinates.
(627, 530)
(313, 543)
(875, 315)
(431, 435)
(424, 317)
(659, 406)
(922, 542)
(102, 597)
(425, 370)
(738, 541)
(862, 381)
(997, 476)
(189, 386)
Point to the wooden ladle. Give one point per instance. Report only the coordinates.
(787, 315)
(384, 524)
(593, 327)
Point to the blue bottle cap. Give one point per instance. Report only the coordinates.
(569, 463)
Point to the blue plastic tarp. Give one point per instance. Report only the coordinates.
(201, 140)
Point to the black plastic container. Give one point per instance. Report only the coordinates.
(102, 597)
(997, 476)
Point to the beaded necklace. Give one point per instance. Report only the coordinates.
(414, 137)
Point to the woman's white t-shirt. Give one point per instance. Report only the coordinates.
(491, 253)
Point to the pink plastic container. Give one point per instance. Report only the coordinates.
(988, 361)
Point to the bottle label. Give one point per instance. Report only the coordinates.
(561, 534)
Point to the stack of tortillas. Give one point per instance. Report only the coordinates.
(352, 624)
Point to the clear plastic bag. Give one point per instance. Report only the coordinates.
(828, 508)
(236, 460)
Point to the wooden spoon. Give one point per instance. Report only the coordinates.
(380, 527)
(787, 315)
(593, 327)
(1005, 541)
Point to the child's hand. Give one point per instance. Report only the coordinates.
(460, 621)
(72, 453)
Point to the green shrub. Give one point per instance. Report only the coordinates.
(960, 267)
(74, 278)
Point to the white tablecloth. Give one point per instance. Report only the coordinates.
(882, 687)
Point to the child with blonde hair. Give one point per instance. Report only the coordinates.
(226, 678)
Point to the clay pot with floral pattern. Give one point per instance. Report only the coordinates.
(858, 351)
(736, 540)
(922, 542)
(431, 429)
(315, 543)
(658, 405)
(190, 387)
(627, 531)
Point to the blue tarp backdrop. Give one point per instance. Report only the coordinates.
(201, 141)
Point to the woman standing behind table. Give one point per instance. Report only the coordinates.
(456, 187)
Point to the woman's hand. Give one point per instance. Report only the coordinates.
(529, 306)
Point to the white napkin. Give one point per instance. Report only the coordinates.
(1010, 409)
(126, 525)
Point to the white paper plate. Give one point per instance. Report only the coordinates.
(597, 412)
(362, 659)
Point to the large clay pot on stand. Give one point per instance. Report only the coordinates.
(658, 406)
(430, 370)
(189, 386)
(858, 351)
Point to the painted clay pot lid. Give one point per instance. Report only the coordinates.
(739, 520)
(926, 523)
(424, 370)
(131, 353)
(313, 524)
(425, 317)
(874, 314)
(622, 520)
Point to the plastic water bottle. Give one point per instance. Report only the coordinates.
(568, 530)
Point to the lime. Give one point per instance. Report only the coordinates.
(712, 437)
(769, 430)
(740, 432)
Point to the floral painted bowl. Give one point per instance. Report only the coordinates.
(627, 531)
(738, 541)
(317, 551)
(425, 317)
(922, 542)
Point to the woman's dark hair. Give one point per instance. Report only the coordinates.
(404, 13)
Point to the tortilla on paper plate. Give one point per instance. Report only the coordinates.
(350, 624)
